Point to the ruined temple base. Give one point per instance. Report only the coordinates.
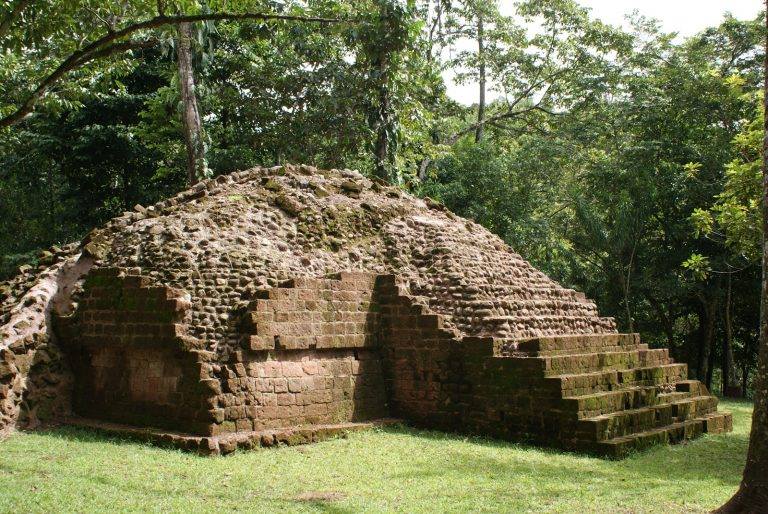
(676, 433)
(227, 443)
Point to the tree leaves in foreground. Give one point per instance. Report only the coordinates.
(752, 495)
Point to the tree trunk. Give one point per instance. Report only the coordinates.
(752, 495)
(665, 318)
(625, 286)
(745, 379)
(481, 72)
(193, 128)
(705, 349)
(731, 387)
(423, 168)
(382, 146)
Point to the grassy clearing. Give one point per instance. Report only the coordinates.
(395, 469)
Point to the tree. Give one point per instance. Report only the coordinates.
(734, 223)
(481, 82)
(614, 221)
(752, 495)
(386, 33)
(194, 137)
(128, 26)
(553, 69)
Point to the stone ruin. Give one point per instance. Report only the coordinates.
(287, 304)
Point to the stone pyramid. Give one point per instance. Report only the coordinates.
(282, 305)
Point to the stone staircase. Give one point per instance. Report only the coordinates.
(613, 395)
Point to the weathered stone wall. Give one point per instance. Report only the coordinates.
(286, 388)
(35, 380)
(311, 355)
(131, 355)
(424, 369)
(308, 313)
(354, 347)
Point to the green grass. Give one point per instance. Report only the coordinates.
(395, 469)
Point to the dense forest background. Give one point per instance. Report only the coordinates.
(623, 164)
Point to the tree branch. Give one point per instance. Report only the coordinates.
(96, 49)
(121, 47)
(510, 111)
(5, 25)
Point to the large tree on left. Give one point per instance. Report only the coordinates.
(57, 52)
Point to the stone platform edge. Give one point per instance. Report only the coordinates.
(227, 443)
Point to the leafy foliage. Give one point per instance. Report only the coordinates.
(622, 163)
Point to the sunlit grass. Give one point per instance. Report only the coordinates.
(395, 469)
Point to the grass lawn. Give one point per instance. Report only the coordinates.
(394, 469)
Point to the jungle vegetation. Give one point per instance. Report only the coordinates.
(623, 163)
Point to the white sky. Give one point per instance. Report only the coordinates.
(686, 17)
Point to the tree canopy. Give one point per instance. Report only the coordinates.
(624, 163)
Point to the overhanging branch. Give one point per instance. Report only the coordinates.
(109, 45)
(5, 24)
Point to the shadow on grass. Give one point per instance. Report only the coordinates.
(321, 506)
(91, 436)
(718, 458)
(508, 472)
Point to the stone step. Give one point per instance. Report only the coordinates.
(717, 422)
(694, 407)
(572, 344)
(620, 447)
(581, 384)
(693, 387)
(572, 364)
(597, 404)
(480, 309)
(628, 422)
(675, 396)
(227, 443)
(654, 375)
(600, 361)
(506, 326)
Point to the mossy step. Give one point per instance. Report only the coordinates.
(581, 384)
(694, 387)
(599, 361)
(623, 423)
(597, 404)
(620, 447)
(227, 443)
(654, 375)
(717, 422)
(554, 345)
(674, 396)
(694, 407)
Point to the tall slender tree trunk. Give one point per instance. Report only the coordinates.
(626, 282)
(382, 147)
(666, 320)
(709, 310)
(730, 383)
(745, 378)
(481, 72)
(752, 495)
(190, 115)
